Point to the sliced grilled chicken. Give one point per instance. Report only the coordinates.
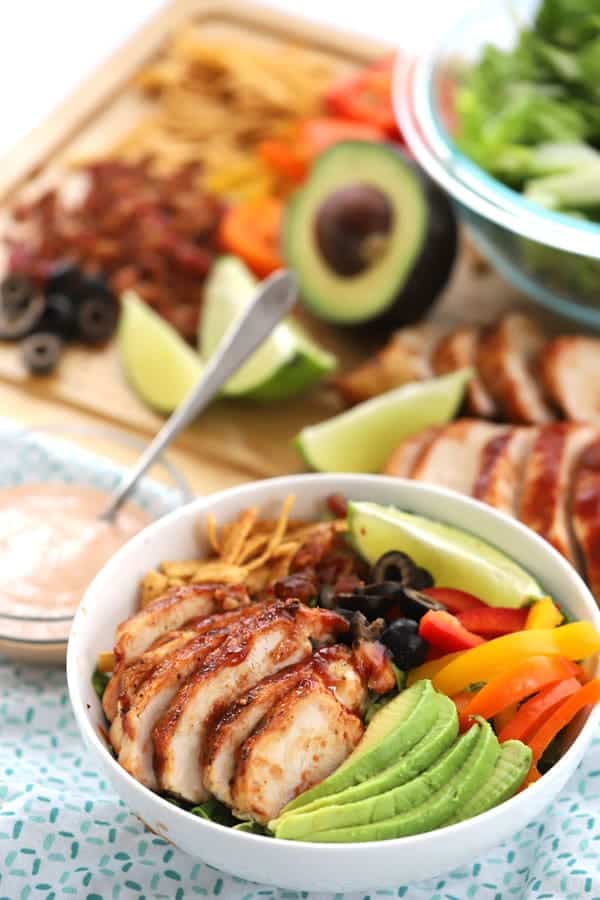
(456, 351)
(452, 459)
(302, 740)
(279, 637)
(586, 513)
(570, 368)
(506, 360)
(502, 468)
(405, 357)
(545, 501)
(403, 458)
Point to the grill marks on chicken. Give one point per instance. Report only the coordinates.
(458, 350)
(501, 469)
(586, 512)
(452, 458)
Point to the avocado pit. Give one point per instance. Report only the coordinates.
(352, 227)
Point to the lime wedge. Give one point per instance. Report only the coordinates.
(361, 439)
(158, 363)
(455, 558)
(287, 363)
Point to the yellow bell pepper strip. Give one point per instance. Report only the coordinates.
(577, 640)
(431, 668)
(520, 680)
(543, 614)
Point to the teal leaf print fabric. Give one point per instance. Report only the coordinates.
(64, 833)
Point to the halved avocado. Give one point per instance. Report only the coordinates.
(369, 236)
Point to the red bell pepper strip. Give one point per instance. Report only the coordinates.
(562, 715)
(281, 158)
(493, 621)
(444, 631)
(517, 682)
(462, 700)
(454, 600)
(527, 718)
(366, 96)
(251, 231)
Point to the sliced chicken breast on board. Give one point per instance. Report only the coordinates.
(302, 740)
(405, 357)
(279, 637)
(586, 513)
(507, 363)
(546, 498)
(570, 369)
(403, 458)
(452, 459)
(456, 351)
(502, 467)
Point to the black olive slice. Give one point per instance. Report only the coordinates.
(97, 319)
(399, 567)
(59, 316)
(16, 293)
(17, 324)
(41, 353)
(404, 642)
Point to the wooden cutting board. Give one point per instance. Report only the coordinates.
(239, 439)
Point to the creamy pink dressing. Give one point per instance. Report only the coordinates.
(51, 547)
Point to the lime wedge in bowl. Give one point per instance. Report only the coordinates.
(361, 439)
(158, 363)
(287, 363)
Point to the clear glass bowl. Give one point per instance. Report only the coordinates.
(73, 455)
(554, 258)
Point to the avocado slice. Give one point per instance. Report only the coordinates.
(455, 558)
(438, 808)
(369, 235)
(439, 738)
(511, 768)
(397, 727)
(380, 806)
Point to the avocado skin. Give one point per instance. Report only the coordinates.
(361, 765)
(439, 738)
(439, 808)
(385, 805)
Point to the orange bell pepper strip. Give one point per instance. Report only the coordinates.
(517, 682)
(462, 700)
(577, 640)
(252, 231)
(527, 718)
(366, 96)
(562, 715)
(281, 157)
(430, 668)
(543, 614)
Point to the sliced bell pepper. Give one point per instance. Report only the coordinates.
(544, 614)
(527, 718)
(505, 716)
(493, 621)
(430, 668)
(366, 96)
(577, 640)
(454, 600)
(251, 231)
(444, 631)
(520, 680)
(280, 157)
(562, 715)
(462, 701)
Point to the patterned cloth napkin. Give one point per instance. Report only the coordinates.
(63, 831)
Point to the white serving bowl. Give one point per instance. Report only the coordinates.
(307, 866)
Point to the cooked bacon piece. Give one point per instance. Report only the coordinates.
(299, 743)
(502, 467)
(456, 351)
(279, 637)
(506, 361)
(586, 513)
(570, 368)
(403, 458)
(405, 357)
(452, 459)
(545, 502)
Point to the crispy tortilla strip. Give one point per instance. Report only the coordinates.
(277, 536)
(219, 572)
(184, 568)
(211, 533)
(232, 548)
(153, 585)
(253, 546)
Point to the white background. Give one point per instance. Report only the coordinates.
(48, 46)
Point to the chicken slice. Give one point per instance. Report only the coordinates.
(401, 462)
(405, 357)
(335, 666)
(299, 743)
(452, 459)
(456, 351)
(279, 637)
(506, 360)
(586, 513)
(545, 501)
(502, 468)
(570, 368)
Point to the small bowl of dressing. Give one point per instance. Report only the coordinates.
(53, 488)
